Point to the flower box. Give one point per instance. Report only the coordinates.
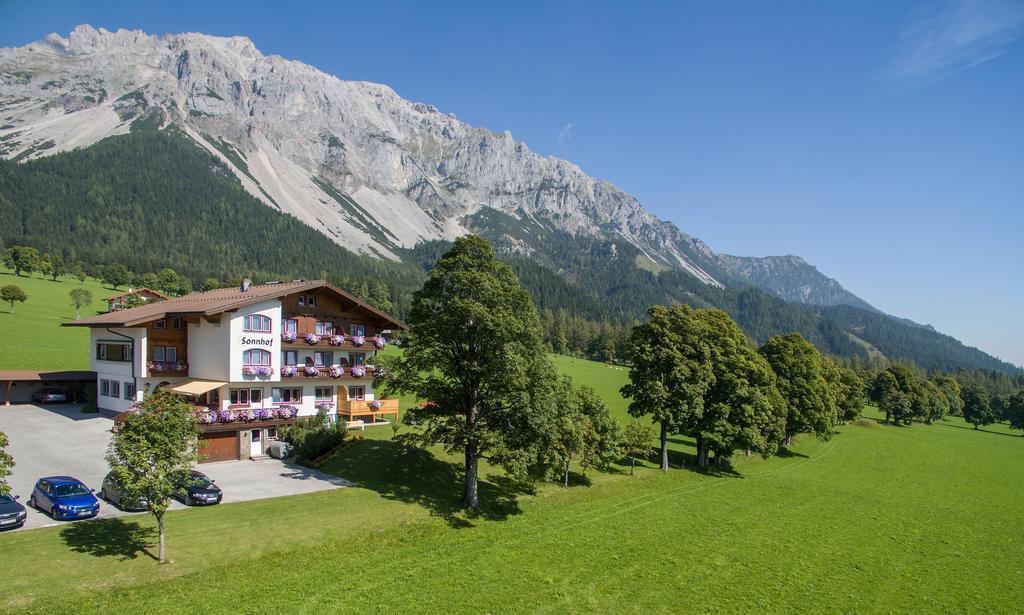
(337, 340)
(358, 340)
(248, 371)
(287, 371)
(337, 371)
(264, 372)
(375, 404)
(286, 412)
(247, 415)
(379, 342)
(226, 416)
(310, 371)
(289, 336)
(312, 339)
(358, 371)
(324, 406)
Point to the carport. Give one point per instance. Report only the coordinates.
(17, 386)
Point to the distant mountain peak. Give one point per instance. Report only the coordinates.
(792, 278)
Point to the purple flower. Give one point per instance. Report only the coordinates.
(312, 339)
(207, 418)
(337, 371)
(337, 340)
(248, 371)
(376, 404)
(264, 414)
(379, 342)
(264, 371)
(225, 416)
(358, 371)
(286, 412)
(358, 340)
(288, 336)
(324, 405)
(288, 370)
(311, 371)
(246, 415)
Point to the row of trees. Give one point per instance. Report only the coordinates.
(905, 396)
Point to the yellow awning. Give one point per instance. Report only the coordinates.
(195, 386)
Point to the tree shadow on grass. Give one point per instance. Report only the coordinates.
(414, 475)
(688, 461)
(786, 453)
(110, 538)
(682, 441)
(998, 433)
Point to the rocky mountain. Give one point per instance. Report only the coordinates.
(791, 278)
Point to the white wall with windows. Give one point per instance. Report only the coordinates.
(254, 327)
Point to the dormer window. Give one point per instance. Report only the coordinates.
(324, 328)
(257, 323)
(310, 301)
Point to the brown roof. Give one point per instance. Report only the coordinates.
(216, 301)
(43, 375)
(139, 290)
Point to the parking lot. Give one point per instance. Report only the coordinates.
(61, 440)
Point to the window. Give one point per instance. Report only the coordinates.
(290, 357)
(355, 329)
(129, 390)
(242, 397)
(113, 352)
(160, 325)
(165, 354)
(357, 358)
(357, 392)
(158, 354)
(256, 357)
(115, 388)
(291, 395)
(172, 354)
(290, 326)
(176, 323)
(271, 433)
(105, 387)
(257, 323)
(323, 359)
(302, 301)
(324, 328)
(310, 301)
(324, 393)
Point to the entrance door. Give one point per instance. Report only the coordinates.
(256, 448)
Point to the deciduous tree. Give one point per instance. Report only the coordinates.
(1016, 411)
(474, 350)
(951, 389)
(116, 275)
(801, 374)
(636, 441)
(582, 430)
(977, 406)
(12, 294)
(22, 259)
(152, 451)
(80, 297)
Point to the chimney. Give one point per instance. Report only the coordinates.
(245, 285)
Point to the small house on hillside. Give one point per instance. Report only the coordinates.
(134, 298)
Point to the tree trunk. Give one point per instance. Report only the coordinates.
(632, 462)
(886, 418)
(702, 453)
(975, 425)
(76, 313)
(470, 497)
(160, 524)
(566, 472)
(665, 446)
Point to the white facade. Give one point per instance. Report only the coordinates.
(116, 378)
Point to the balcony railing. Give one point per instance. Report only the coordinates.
(167, 368)
(334, 371)
(342, 342)
(355, 408)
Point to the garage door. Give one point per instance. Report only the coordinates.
(218, 446)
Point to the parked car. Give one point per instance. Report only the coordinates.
(12, 513)
(49, 395)
(199, 490)
(64, 497)
(112, 491)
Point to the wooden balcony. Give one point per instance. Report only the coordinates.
(352, 409)
(325, 344)
(325, 372)
(161, 368)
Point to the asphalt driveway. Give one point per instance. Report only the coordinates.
(60, 440)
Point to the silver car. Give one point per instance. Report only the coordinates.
(49, 395)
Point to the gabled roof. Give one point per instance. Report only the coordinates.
(213, 302)
(139, 290)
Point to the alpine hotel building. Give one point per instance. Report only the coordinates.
(249, 359)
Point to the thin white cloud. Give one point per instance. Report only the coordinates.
(566, 133)
(954, 36)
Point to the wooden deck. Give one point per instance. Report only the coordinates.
(350, 409)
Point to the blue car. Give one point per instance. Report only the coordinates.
(64, 498)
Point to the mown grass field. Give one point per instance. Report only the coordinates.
(33, 337)
(926, 518)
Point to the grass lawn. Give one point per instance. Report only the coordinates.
(879, 518)
(33, 337)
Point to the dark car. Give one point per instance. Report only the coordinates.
(64, 497)
(12, 514)
(112, 491)
(49, 395)
(198, 490)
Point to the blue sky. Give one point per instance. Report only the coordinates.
(882, 141)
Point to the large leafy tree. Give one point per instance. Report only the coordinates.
(896, 391)
(671, 371)
(977, 406)
(854, 394)
(22, 259)
(951, 390)
(801, 373)
(1016, 411)
(582, 431)
(6, 464)
(116, 275)
(936, 404)
(743, 408)
(152, 452)
(80, 298)
(474, 350)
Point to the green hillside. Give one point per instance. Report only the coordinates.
(33, 337)
(879, 519)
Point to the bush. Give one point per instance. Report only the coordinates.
(313, 437)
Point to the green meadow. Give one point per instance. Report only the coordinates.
(32, 337)
(877, 519)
